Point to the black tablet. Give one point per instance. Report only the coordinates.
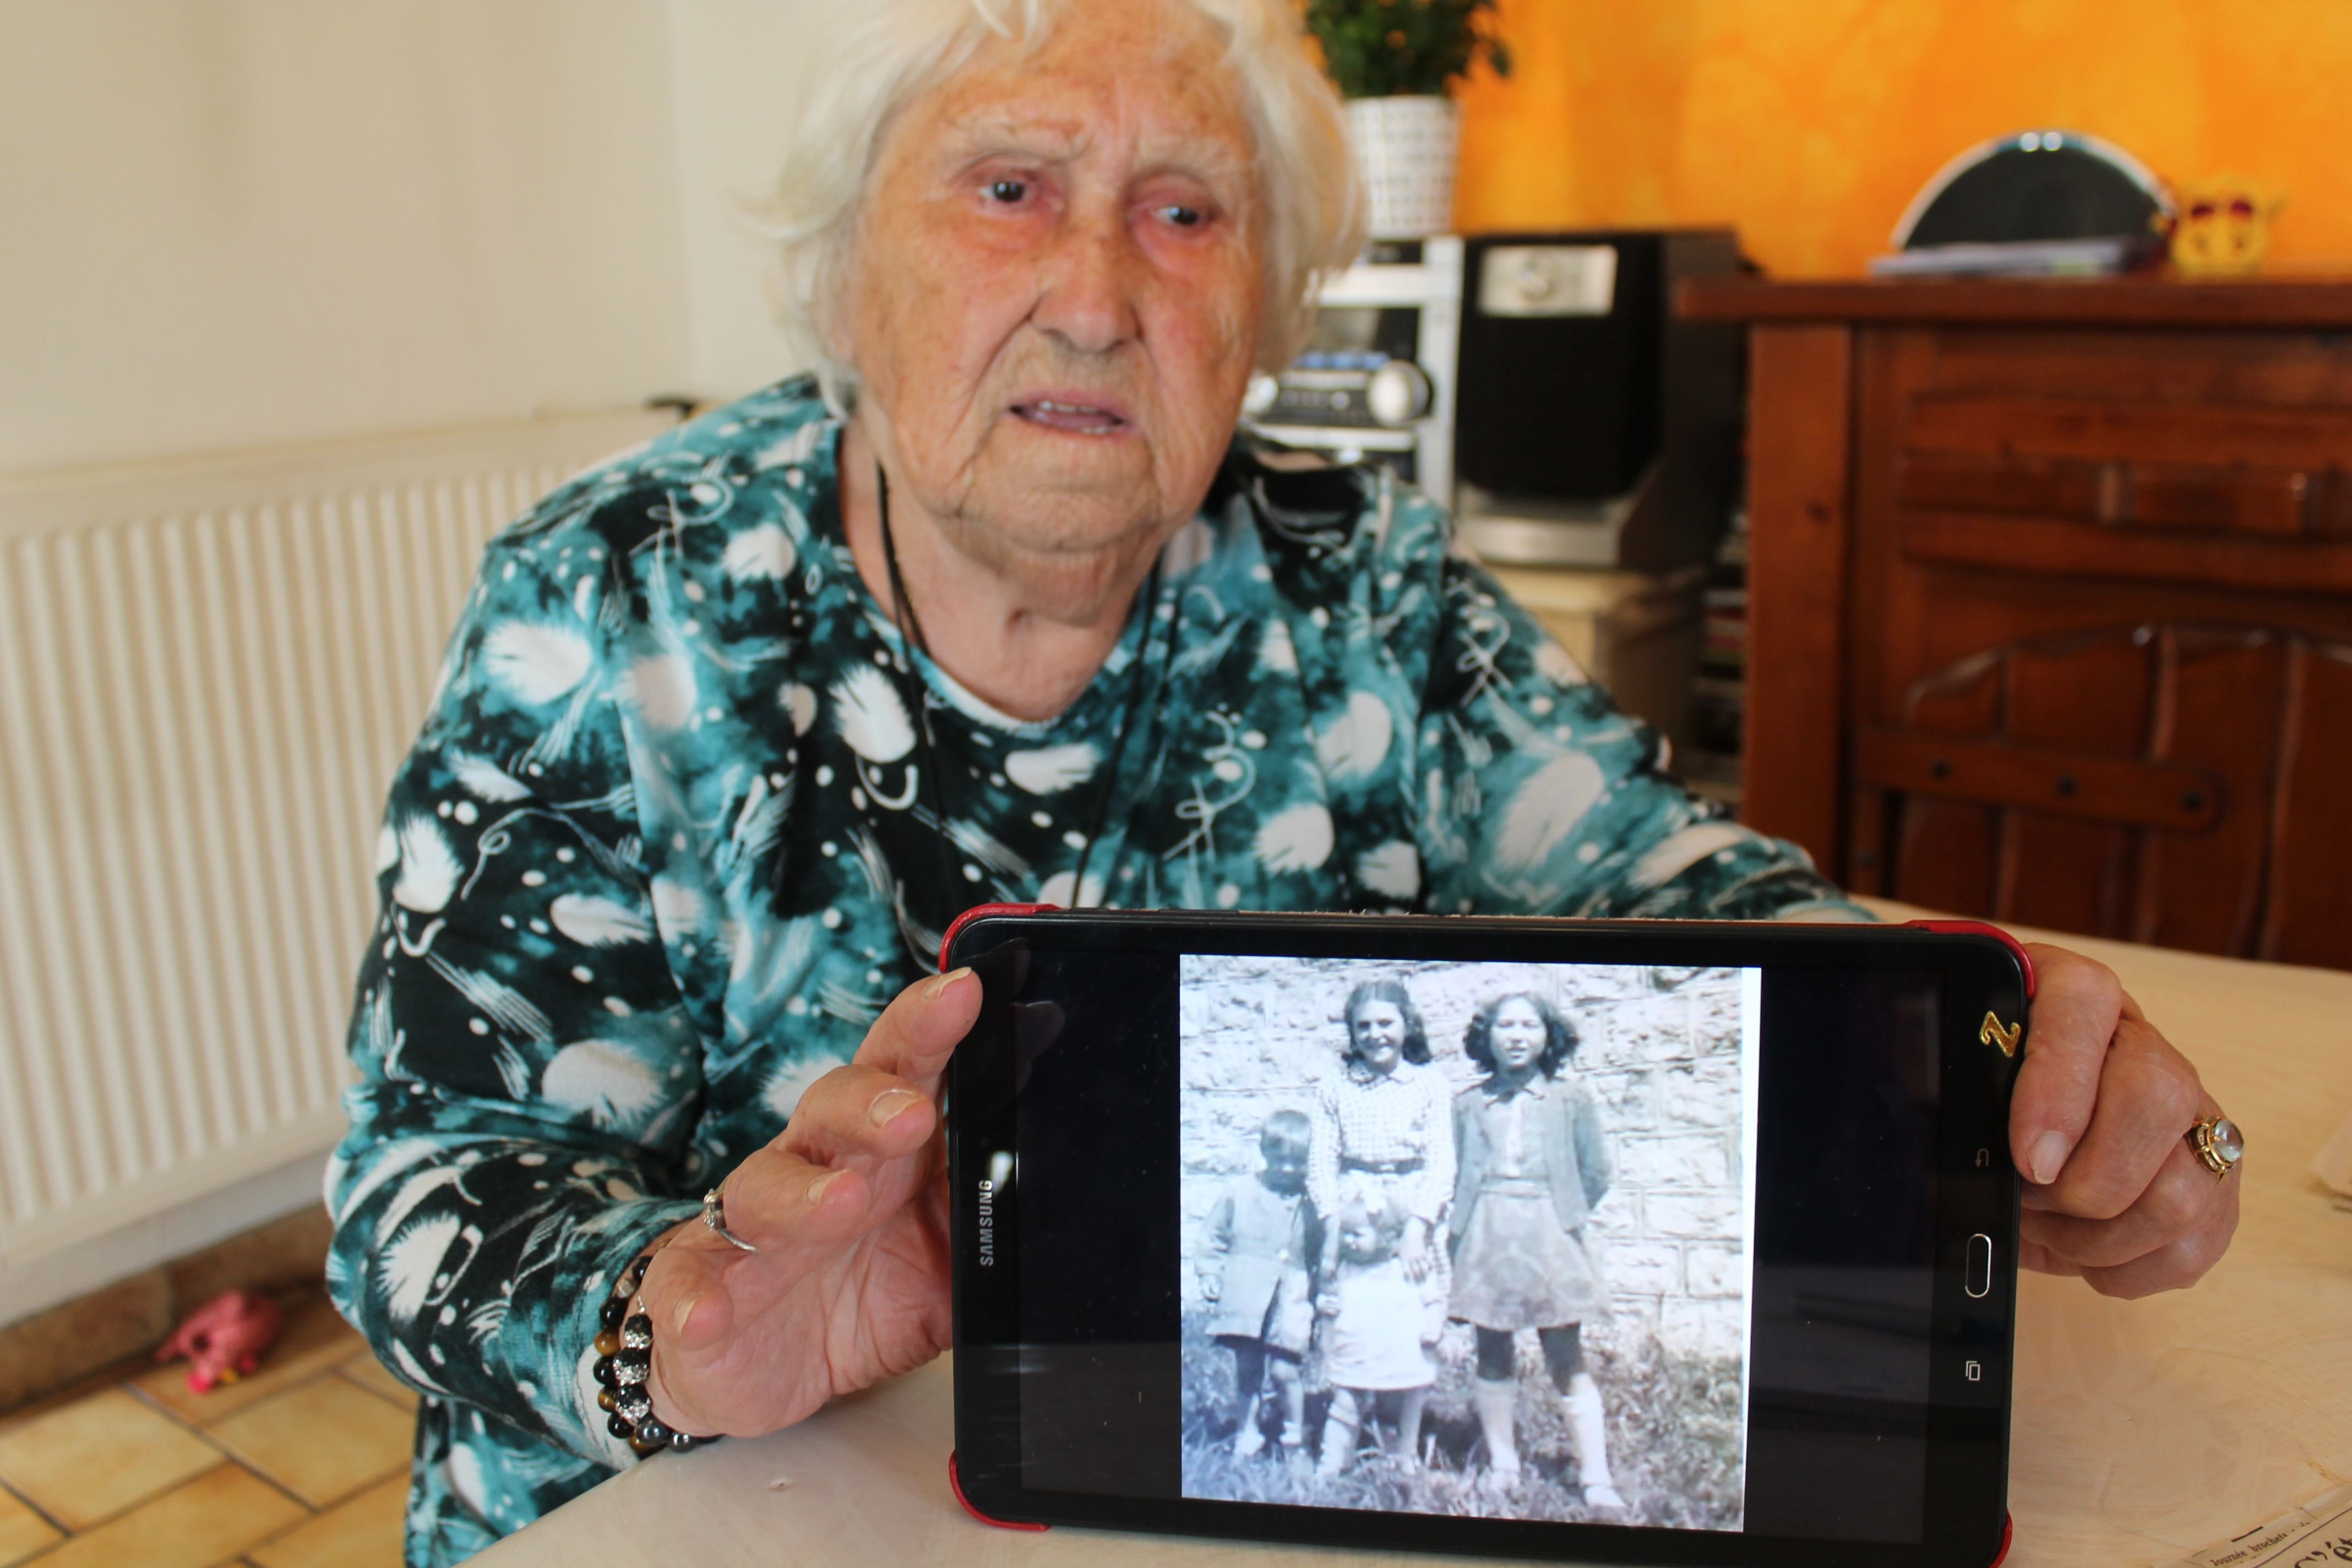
(1633, 1242)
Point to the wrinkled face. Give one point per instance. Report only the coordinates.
(1517, 1035)
(1056, 302)
(1378, 1030)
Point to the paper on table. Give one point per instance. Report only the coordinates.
(2320, 1534)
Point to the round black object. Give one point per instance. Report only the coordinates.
(2036, 186)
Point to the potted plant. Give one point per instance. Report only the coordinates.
(1395, 61)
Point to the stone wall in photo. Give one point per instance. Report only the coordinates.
(1660, 1053)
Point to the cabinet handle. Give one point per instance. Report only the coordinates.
(2180, 796)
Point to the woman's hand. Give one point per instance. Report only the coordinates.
(2098, 1126)
(1416, 1248)
(848, 1209)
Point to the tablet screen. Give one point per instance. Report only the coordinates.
(1531, 1241)
(1518, 1185)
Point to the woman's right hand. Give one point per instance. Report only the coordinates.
(848, 1210)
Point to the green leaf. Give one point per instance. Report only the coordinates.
(1381, 49)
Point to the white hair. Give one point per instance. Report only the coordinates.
(879, 55)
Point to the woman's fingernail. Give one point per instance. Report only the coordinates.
(890, 1102)
(684, 1311)
(938, 988)
(817, 1188)
(2047, 1158)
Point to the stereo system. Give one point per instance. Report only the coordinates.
(1536, 384)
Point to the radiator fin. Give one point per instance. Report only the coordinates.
(207, 674)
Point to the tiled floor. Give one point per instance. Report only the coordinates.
(302, 1465)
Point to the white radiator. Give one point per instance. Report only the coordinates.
(208, 671)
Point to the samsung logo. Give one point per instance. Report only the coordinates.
(987, 1223)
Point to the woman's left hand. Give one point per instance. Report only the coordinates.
(2098, 1126)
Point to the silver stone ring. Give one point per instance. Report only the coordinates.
(714, 1214)
(2219, 1144)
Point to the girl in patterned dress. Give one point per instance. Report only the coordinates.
(1382, 1118)
(1534, 1161)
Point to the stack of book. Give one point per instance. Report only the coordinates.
(2102, 257)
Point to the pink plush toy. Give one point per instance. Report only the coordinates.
(223, 1339)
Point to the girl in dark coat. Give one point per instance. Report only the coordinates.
(1253, 1268)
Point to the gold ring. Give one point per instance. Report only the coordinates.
(2219, 1144)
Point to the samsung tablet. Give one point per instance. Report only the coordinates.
(1636, 1242)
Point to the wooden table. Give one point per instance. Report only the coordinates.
(2143, 1429)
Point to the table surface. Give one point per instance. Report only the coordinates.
(2143, 1429)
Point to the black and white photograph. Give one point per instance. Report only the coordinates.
(1468, 1238)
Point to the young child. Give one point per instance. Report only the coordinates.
(1533, 1160)
(1253, 1272)
(1381, 1326)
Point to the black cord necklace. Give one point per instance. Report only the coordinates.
(911, 634)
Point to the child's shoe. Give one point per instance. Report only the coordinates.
(1249, 1441)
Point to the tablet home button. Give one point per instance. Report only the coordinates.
(1980, 1280)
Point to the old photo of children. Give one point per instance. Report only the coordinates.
(1467, 1238)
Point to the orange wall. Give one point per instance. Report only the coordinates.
(1809, 124)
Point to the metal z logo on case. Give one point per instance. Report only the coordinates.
(2006, 1036)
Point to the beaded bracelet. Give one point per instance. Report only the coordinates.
(625, 1352)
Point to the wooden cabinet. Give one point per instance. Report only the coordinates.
(2050, 600)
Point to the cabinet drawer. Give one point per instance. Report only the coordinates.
(2237, 498)
(2235, 494)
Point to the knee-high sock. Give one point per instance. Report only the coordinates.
(1588, 1429)
(1497, 1405)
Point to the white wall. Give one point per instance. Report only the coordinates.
(229, 224)
(226, 222)
(738, 68)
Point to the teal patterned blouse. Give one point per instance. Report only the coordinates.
(663, 851)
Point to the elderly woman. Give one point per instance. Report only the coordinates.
(733, 725)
